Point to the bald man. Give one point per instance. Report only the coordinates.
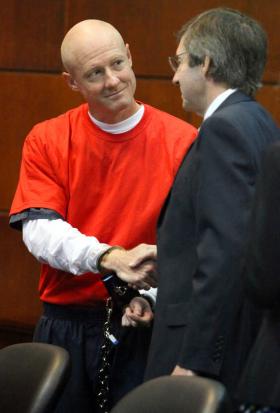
(92, 183)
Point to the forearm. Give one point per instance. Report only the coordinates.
(58, 244)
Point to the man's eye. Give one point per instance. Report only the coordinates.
(119, 63)
(94, 74)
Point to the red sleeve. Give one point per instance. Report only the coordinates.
(43, 175)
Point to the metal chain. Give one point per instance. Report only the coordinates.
(109, 340)
(103, 374)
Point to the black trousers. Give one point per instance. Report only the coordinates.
(80, 332)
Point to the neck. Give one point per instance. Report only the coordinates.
(213, 91)
(115, 117)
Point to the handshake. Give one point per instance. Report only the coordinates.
(137, 266)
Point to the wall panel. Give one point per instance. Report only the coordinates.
(148, 26)
(32, 90)
(25, 100)
(268, 14)
(19, 275)
(31, 32)
(162, 94)
(154, 40)
(269, 96)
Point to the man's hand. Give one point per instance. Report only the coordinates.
(137, 313)
(133, 266)
(180, 371)
(143, 253)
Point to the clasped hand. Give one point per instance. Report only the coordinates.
(137, 313)
(137, 266)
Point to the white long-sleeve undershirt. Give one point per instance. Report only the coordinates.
(58, 244)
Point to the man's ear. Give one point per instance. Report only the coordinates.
(70, 81)
(128, 54)
(206, 65)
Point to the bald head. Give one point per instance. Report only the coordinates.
(86, 36)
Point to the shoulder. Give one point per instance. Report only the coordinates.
(176, 134)
(172, 135)
(245, 119)
(168, 120)
(55, 130)
(241, 130)
(225, 138)
(61, 121)
(242, 112)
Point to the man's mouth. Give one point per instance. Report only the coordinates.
(115, 93)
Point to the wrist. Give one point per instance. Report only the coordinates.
(149, 300)
(105, 263)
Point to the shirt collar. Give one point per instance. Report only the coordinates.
(123, 126)
(217, 102)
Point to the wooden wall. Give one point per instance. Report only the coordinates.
(32, 90)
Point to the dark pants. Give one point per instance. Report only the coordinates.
(80, 332)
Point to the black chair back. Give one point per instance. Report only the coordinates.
(32, 377)
(178, 394)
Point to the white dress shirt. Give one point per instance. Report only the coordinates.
(217, 102)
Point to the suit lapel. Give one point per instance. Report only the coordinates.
(181, 171)
(234, 98)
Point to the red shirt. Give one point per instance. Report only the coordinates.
(108, 186)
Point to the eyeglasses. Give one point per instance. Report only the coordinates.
(175, 61)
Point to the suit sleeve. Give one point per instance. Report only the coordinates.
(226, 177)
(263, 273)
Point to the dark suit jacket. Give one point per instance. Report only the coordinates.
(261, 379)
(202, 320)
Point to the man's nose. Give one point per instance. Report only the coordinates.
(175, 80)
(111, 79)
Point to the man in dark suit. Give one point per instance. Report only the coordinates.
(203, 323)
(261, 379)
